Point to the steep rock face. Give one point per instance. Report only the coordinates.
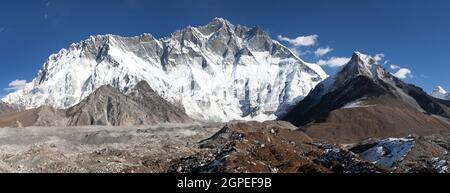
(6, 108)
(159, 108)
(108, 106)
(363, 100)
(217, 72)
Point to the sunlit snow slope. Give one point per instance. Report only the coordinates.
(217, 72)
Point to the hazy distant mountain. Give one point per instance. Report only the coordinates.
(216, 72)
(440, 93)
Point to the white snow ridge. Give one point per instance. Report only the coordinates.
(217, 72)
(440, 93)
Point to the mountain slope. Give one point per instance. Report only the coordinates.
(363, 100)
(106, 106)
(42, 116)
(155, 106)
(440, 93)
(217, 72)
(6, 108)
(270, 147)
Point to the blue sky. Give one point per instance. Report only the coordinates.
(412, 35)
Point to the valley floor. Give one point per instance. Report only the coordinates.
(232, 147)
(99, 149)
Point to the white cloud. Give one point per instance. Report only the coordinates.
(334, 62)
(378, 57)
(46, 11)
(323, 51)
(301, 40)
(403, 73)
(2, 29)
(394, 67)
(299, 52)
(16, 85)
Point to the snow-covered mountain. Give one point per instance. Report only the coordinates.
(217, 72)
(364, 100)
(440, 93)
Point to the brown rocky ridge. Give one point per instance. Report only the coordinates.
(270, 147)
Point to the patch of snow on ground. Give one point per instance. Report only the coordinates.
(357, 104)
(388, 152)
(440, 165)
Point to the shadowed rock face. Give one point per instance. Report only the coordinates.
(363, 101)
(156, 106)
(440, 93)
(106, 106)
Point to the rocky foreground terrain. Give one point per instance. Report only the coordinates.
(274, 147)
(98, 149)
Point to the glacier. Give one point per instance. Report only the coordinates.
(218, 72)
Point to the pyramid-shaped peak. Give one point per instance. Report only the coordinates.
(440, 89)
(143, 86)
(106, 89)
(362, 65)
(218, 23)
(220, 20)
(363, 58)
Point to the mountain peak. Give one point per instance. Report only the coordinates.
(143, 86)
(218, 23)
(439, 89)
(109, 106)
(220, 20)
(363, 59)
(208, 70)
(361, 65)
(440, 93)
(105, 89)
(364, 88)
